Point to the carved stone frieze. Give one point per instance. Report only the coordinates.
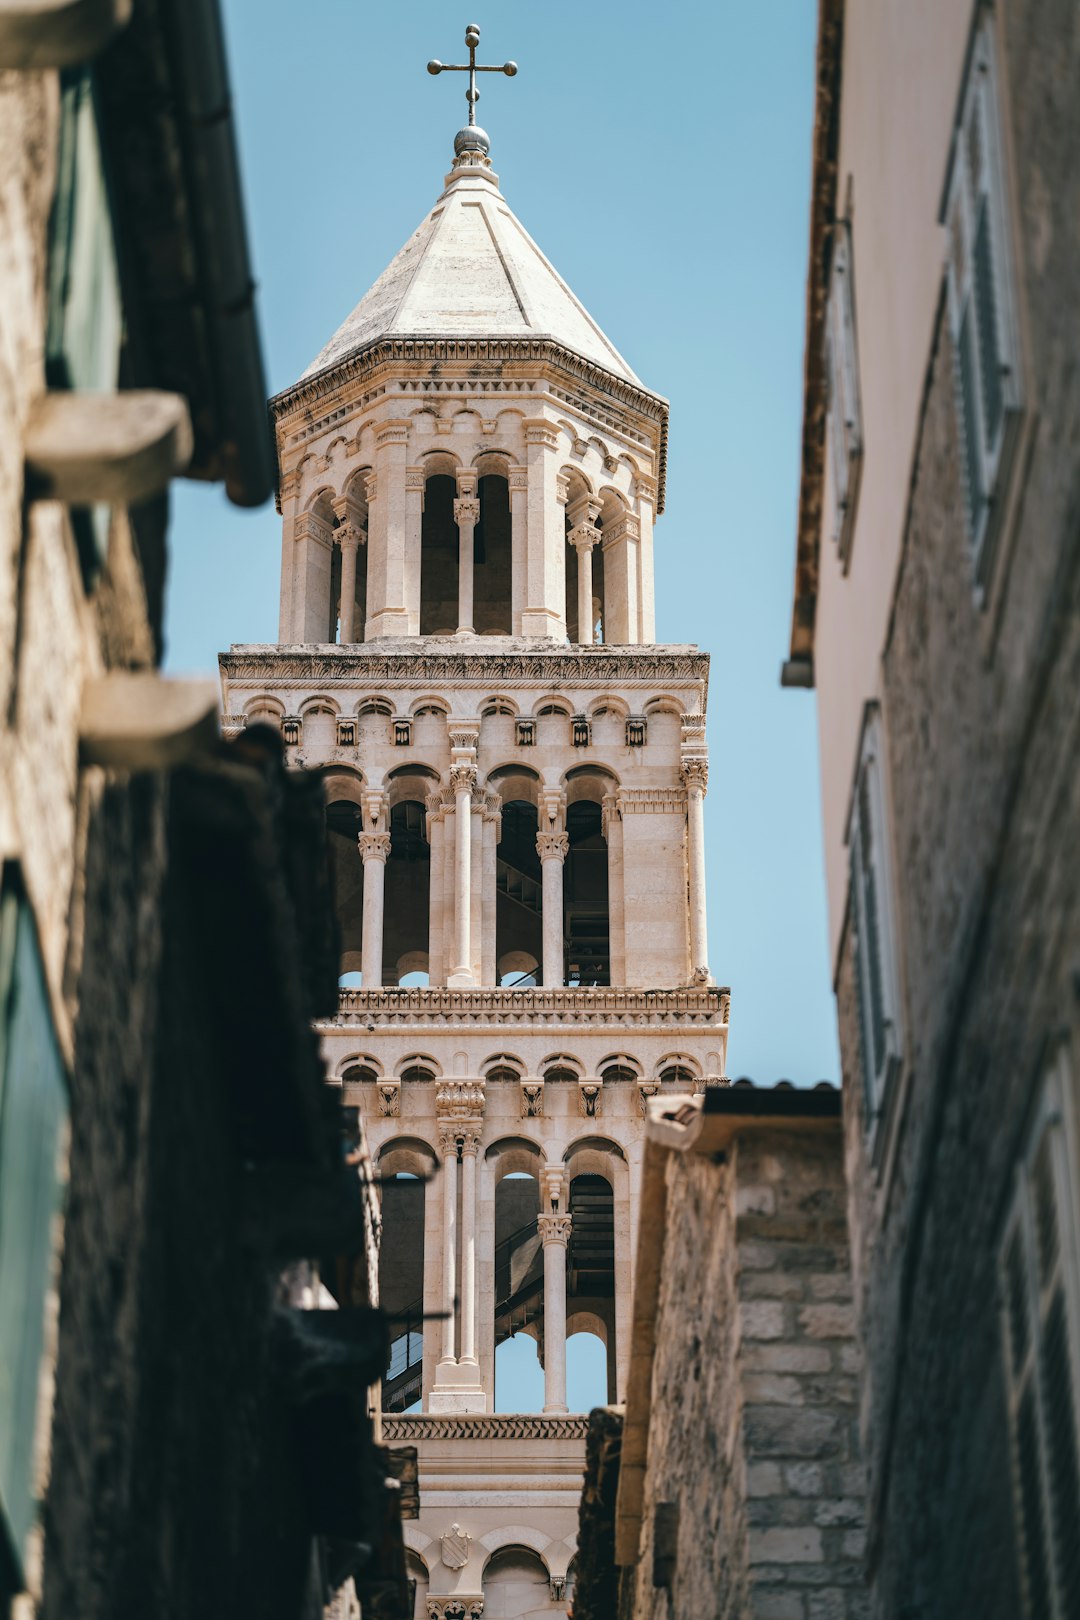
(389, 1090)
(652, 801)
(589, 1091)
(571, 1007)
(532, 1097)
(356, 665)
(483, 1426)
(455, 1608)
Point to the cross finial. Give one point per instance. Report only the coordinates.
(472, 68)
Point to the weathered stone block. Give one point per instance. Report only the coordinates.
(827, 1321)
(781, 1545)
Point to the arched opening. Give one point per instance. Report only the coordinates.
(590, 1276)
(586, 924)
(583, 514)
(343, 826)
(407, 899)
(493, 559)
(351, 558)
(519, 1281)
(439, 558)
(516, 1585)
(416, 1571)
(519, 926)
(403, 1169)
(586, 1369)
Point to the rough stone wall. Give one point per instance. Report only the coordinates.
(982, 712)
(752, 1430)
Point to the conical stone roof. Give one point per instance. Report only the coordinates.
(471, 269)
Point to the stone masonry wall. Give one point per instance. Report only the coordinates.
(752, 1430)
(982, 715)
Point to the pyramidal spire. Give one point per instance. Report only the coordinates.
(471, 269)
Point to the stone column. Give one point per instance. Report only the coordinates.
(466, 516)
(436, 831)
(476, 912)
(695, 773)
(552, 849)
(469, 1148)
(387, 614)
(290, 511)
(613, 837)
(545, 611)
(374, 849)
(488, 883)
(554, 1233)
(313, 552)
(434, 1194)
(448, 1147)
(584, 535)
(414, 519)
(462, 780)
(349, 539)
(621, 607)
(519, 521)
(647, 493)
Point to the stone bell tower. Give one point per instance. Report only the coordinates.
(514, 771)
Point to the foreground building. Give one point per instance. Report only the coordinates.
(514, 771)
(175, 1437)
(936, 614)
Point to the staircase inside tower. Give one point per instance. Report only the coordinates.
(519, 1282)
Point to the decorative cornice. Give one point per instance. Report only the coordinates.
(422, 1426)
(571, 1007)
(652, 801)
(422, 352)
(359, 664)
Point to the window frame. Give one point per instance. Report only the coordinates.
(873, 919)
(1053, 1125)
(982, 307)
(843, 412)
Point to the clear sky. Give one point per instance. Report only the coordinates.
(660, 155)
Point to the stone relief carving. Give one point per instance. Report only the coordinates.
(374, 846)
(483, 1426)
(455, 1546)
(455, 1608)
(589, 1097)
(532, 1098)
(554, 1228)
(390, 1097)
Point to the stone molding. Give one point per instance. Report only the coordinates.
(572, 1007)
(415, 479)
(459, 1109)
(271, 668)
(652, 801)
(518, 478)
(627, 527)
(420, 1426)
(309, 526)
(455, 1608)
(532, 1096)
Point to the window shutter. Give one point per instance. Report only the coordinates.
(1060, 1424)
(873, 924)
(1036, 1571)
(965, 366)
(858, 951)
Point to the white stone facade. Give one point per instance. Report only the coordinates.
(514, 789)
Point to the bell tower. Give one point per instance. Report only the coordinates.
(515, 773)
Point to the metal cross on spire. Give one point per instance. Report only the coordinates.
(472, 68)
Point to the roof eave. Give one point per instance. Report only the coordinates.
(381, 350)
(799, 669)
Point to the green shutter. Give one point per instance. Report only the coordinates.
(986, 320)
(1059, 1412)
(969, 422)
(872, 942)
(33, 1110)
(1033, 1537)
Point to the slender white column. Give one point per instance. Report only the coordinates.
(414, 518)
(463, 779)
(519, 521)
(433, 1282)
(436, 832)
(552, 849)
(554, 1231)
(476, 915)
(647, 497)
(583, 539)
(374, 848)
(466, 516)
(544, 613)
(468, 1250)
(348, 538)
(488, 878)
(695, 773)
(449, 1290)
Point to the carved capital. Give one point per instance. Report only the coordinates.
(589, 1091)
(290, 485)
(389, 1091)
(415, 479)
(459, 1106)
(532, 1097)
(309, 526)
(374, 846)
(645, 1090)
(466, 511)
(349, 537)
(518, 479)
(584, 511)
(463, 777)
(646, 488)
(584, 537)
(460, 1138)
(464, 735)
(627, 527)
(695, 773)
(455, 1608)
(552, 846)
(392, 433)
(554, 1228)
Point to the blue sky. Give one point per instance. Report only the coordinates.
(661, 158)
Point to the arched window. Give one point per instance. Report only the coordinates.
(515, 1585)
(416, 1570)
(343, 824)
(677, 1074)
(439, 558)
(519, 1279)
(590, 1275)
(519, 929)
(586, 925)
(492, 559)
(407, 897)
